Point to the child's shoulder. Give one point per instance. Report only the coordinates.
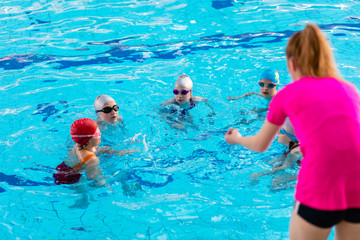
(89, 158)
(198, 99)
(170, 101)
(86, 155)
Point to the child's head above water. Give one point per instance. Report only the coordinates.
(269, 79)
(183, 89)
(85, 131)
(106, 108)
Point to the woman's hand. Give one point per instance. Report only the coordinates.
(259, 142)
(232, 136)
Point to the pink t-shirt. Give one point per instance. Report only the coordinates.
(325, 113)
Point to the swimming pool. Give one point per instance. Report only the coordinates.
(57, 56)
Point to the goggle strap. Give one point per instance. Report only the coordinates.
(115, 108)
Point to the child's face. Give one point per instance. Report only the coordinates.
(266, 91)
(96, 139)
(112, 116)
(182, 95)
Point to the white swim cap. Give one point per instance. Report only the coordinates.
(270, 74)
(101, 100)
(184, 81)
(288, 127)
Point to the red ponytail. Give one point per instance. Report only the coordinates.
(312, 53)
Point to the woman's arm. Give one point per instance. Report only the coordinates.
(259, 142)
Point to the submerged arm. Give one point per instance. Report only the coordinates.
(206, 101)
(93, 172)
(108, 150)
(170, 118)
(244, 95)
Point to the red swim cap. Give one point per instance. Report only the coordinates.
(82, 130)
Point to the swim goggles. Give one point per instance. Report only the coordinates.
(182, 92)
(292, 137)
(108, 109)
(269, 85)
(97, 133)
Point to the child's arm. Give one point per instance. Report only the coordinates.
(173, 124)
(169, 118)
(284, 166)
(170, 101)
(125, 151)
(108, 150)
(288, 161)
(206, 101)
(244, 95)
(92, 171)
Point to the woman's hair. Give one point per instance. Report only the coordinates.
(312, 53)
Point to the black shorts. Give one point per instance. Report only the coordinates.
(327, 219)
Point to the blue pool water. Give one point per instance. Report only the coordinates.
(56, 56)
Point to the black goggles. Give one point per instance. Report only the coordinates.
(108, 109)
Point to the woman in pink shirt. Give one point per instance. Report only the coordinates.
(325, 112)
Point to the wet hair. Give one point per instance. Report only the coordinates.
(311, 53)
(81, 147)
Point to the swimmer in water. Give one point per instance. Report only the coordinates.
(183, 100)
(291, 157)
(106, 110)
(82, 157)
(269, 79)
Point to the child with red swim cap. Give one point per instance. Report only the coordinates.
(87, 136)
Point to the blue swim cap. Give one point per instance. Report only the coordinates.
(271, 75)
